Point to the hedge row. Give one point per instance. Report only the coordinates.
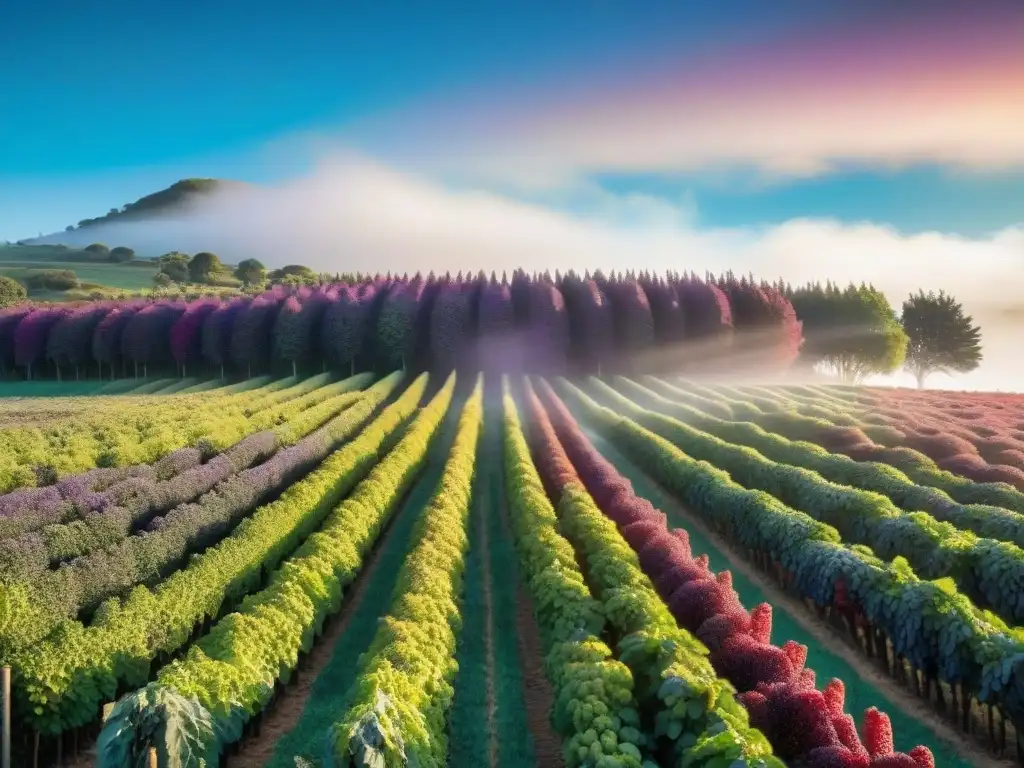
(60, 682)
(231, 673)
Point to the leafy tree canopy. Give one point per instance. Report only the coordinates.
(942, 338)
(204, 266)
(175, 265)
(11, 292)
(97, 248)
(292, 270)
(121, 254)
(251, 271)
(852, 332)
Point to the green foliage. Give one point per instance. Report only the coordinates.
(97, 248)
(298, 272)
(204, 266)
(399, 702)
(852, 332)
(589, 684)
(121, 254)
(251, 271)
(52, 280)
(182, 730)
(175, 265)
(11, 292)
(175, 196)
(162, 280)
(942, 338)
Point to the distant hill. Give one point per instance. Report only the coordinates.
(174, 198)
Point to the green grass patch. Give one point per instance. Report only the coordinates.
(50, 388)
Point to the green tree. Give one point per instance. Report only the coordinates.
(942, 338)
(175, 265)
(121, 254)
(251, 271)
(851, 332)
(11, 292)
(98, 248)
(305, 274)
(161, 280)
(204, 267)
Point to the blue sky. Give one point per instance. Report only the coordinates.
(102, 106)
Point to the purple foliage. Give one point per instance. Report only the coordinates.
(216, 331)
(32, 332)
(250, 334)
(9, 320)
(106, 339)
(147, 337)
(70, 341)
(186, 333)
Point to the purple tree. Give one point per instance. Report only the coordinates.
(251, 332)
(9, 320)
(31, 334)
(186, 333)
(70, 341)
(146, 339)
(216, 332)
(106, 338)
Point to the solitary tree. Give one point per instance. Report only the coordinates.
(121, 254)
(175, 266)
(853, 332)
(251, 271)
(11, 292)
(942, 338)
(204, 266)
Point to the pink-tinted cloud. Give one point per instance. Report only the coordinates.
(949, 90)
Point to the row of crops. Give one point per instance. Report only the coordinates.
(539, 324)
(431, 571)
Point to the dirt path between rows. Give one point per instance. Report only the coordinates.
(831, 639)
(286, 710)
(537, 692)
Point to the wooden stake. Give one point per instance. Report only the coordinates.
(5, 727)
(152, 763)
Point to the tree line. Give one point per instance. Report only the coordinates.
(591, 322)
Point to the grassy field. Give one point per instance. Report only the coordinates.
(20, 261)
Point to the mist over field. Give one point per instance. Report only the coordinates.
(355, 215)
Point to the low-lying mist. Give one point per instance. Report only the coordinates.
(354, 215)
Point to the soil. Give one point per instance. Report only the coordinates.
(483, 541)
(537, 692)
(290, 701)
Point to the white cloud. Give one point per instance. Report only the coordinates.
(355, 215)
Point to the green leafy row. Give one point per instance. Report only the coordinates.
(117, 432)
(112, 562)
(982, 519)
(686, 710)
(231, 672)
(928, 622)
(398, 705)
(60, 682)
(990, 571)
(589, 684)
(805, 422)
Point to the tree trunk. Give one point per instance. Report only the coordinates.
(295, 372)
